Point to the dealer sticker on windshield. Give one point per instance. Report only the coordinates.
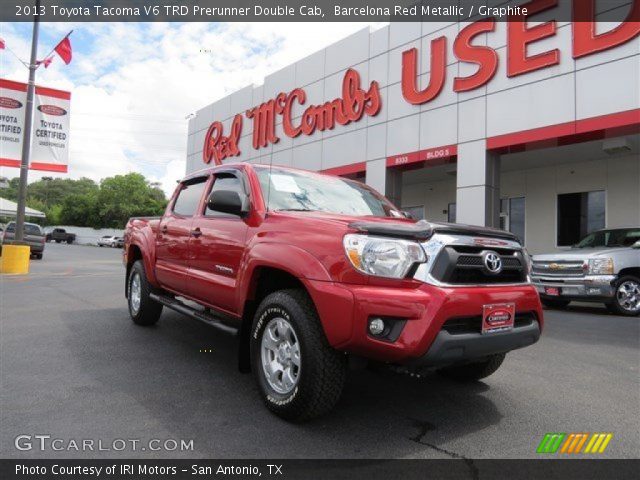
(498, 317)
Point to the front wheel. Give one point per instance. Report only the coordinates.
(298, 374)
(474, 371)
(554, 303)
(142, 308)
(627, 298)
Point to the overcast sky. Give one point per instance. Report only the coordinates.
(133, 84)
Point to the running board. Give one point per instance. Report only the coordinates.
(180, 307)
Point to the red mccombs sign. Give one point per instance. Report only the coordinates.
(357, 102)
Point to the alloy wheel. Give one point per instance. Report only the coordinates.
(280, 355)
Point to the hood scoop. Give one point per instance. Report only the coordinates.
(423, 230)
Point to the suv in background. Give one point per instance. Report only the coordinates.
(603, 267)
(33, 236)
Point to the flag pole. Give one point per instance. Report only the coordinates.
(28, 120)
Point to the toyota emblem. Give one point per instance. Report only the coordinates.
(493, 262)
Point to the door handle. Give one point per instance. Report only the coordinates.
(163, 229)
(196, 232)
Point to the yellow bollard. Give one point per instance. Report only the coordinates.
(15, 259)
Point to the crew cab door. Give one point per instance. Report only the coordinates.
(174, 233)
(217, 249)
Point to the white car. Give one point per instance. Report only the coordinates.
(107, 241)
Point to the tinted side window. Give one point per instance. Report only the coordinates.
(32, 230)
(225, 182)
(189, 197)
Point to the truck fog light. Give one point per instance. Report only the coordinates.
(376, 326)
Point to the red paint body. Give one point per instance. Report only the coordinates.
(308, 246)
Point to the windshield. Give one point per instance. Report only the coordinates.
(29, 228)
(289, 190)
(610, 238)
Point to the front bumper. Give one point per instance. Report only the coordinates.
(345, 311)
(590, 287)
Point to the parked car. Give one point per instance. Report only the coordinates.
(59, 235)
(311, 269)
(603, 267)
(107, 241)
(33, 236)
(119, 242)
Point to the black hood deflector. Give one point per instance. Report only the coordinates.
(423, 230)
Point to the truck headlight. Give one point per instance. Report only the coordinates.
(381, 256)
(601, 266)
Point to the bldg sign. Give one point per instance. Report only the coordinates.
(357, 102)
(50, 144)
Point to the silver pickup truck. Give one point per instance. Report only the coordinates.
(603, 267)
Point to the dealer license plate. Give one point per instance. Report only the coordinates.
(498, 317)
(552, 291)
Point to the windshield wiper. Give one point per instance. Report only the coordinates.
(294, 210)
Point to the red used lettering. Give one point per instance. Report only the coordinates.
(519, 36)
(585, 39)
(485, 57)
(410, 90)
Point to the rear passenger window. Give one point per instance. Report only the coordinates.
(225, 182)
(189, 198)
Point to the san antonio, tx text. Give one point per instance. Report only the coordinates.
(75, 471)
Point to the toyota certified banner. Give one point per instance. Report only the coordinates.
(50, 144)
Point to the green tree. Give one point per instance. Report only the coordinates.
(80, 210)
(125, 196)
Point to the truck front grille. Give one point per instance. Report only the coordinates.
(464, 265)
(558, 269)
(473, 324)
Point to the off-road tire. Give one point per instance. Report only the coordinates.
(614, 306)
(149, 310)
(555, 303)
(474, 371)
(322, 371)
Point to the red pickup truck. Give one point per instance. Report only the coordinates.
(310, 270)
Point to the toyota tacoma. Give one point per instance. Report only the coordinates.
(310, 270)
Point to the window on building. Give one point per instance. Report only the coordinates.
(579, 214)
(512, 216)
(416, 212)
(189, 197)
(225, 181)
(451, 213)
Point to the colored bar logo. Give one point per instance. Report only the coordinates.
(571, 443)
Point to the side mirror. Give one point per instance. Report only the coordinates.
(228, 201)
(636, 245)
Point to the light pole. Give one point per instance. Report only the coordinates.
(28, 120)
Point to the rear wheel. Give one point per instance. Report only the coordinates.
(142, 308)
(627, 298)
(474, 371)
(38, 256)
(554, 303)
(299, 375)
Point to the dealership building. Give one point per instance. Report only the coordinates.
(531, 127)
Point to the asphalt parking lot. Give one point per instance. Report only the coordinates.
(73, 366)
